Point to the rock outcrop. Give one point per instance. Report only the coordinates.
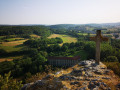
(85, 76)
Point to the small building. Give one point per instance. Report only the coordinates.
(63, 61)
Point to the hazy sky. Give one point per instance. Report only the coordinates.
(59, 11)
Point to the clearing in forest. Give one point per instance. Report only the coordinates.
(13, 43)
(10, 58)
(14, 39)
(12, 46)
(34, 36)
(65, 38)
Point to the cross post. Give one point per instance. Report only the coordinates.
(98, 39)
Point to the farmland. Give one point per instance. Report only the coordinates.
(34, 36)
(12, 46)
(65, 38)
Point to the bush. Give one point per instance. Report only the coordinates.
(115, 66)
(7, 83)
(111, 59)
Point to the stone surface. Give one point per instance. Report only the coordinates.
(86, 76)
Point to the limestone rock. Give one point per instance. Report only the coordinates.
(87, 75)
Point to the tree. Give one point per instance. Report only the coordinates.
(90, 49)
(106, 50)
(39, 59)
(28, 75)
(6, 66)
(40, 68)
(7, 83)
(64, 47)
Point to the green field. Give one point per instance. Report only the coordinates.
(12, 46)
(65, 38)
(83, 34)
(34, 36)
(2, 37)
(10, 58)
(14, 39)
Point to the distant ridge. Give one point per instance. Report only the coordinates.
(90, 24)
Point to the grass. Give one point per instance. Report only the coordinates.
(14, 39)
(13, 43)
(65, 38)
(2, 37)
(83, 34)
(115, 66)
(12, 46)
(34, 36)
(10, 58)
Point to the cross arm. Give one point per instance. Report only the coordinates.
(93, 38)
(104, 39)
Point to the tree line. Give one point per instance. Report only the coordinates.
(25, 30)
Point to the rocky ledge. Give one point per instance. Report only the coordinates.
(86, 75)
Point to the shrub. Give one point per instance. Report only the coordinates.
(111, 59)
(7, 83)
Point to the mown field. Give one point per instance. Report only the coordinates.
(14, 39)
(12, 46)
(65, 38)
(34, 36)
(2, 37)
(10, 58)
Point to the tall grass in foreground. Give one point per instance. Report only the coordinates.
(115, 66)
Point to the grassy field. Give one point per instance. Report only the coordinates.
(13, 43)
(14, 39)
(12, 46)
(83, 34)
(2, 37)
(10, 58)
(34, 36)
(65, 38)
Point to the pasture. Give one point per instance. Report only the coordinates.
(14, 39)
(65, 38)
(34, 36)
(2, 37)
(10, 58)
(12, 46)
(84, 34)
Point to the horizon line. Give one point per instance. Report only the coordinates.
(63, 23)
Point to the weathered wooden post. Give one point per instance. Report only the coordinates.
(98, 39)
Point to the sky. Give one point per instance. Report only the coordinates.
(50, 12)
